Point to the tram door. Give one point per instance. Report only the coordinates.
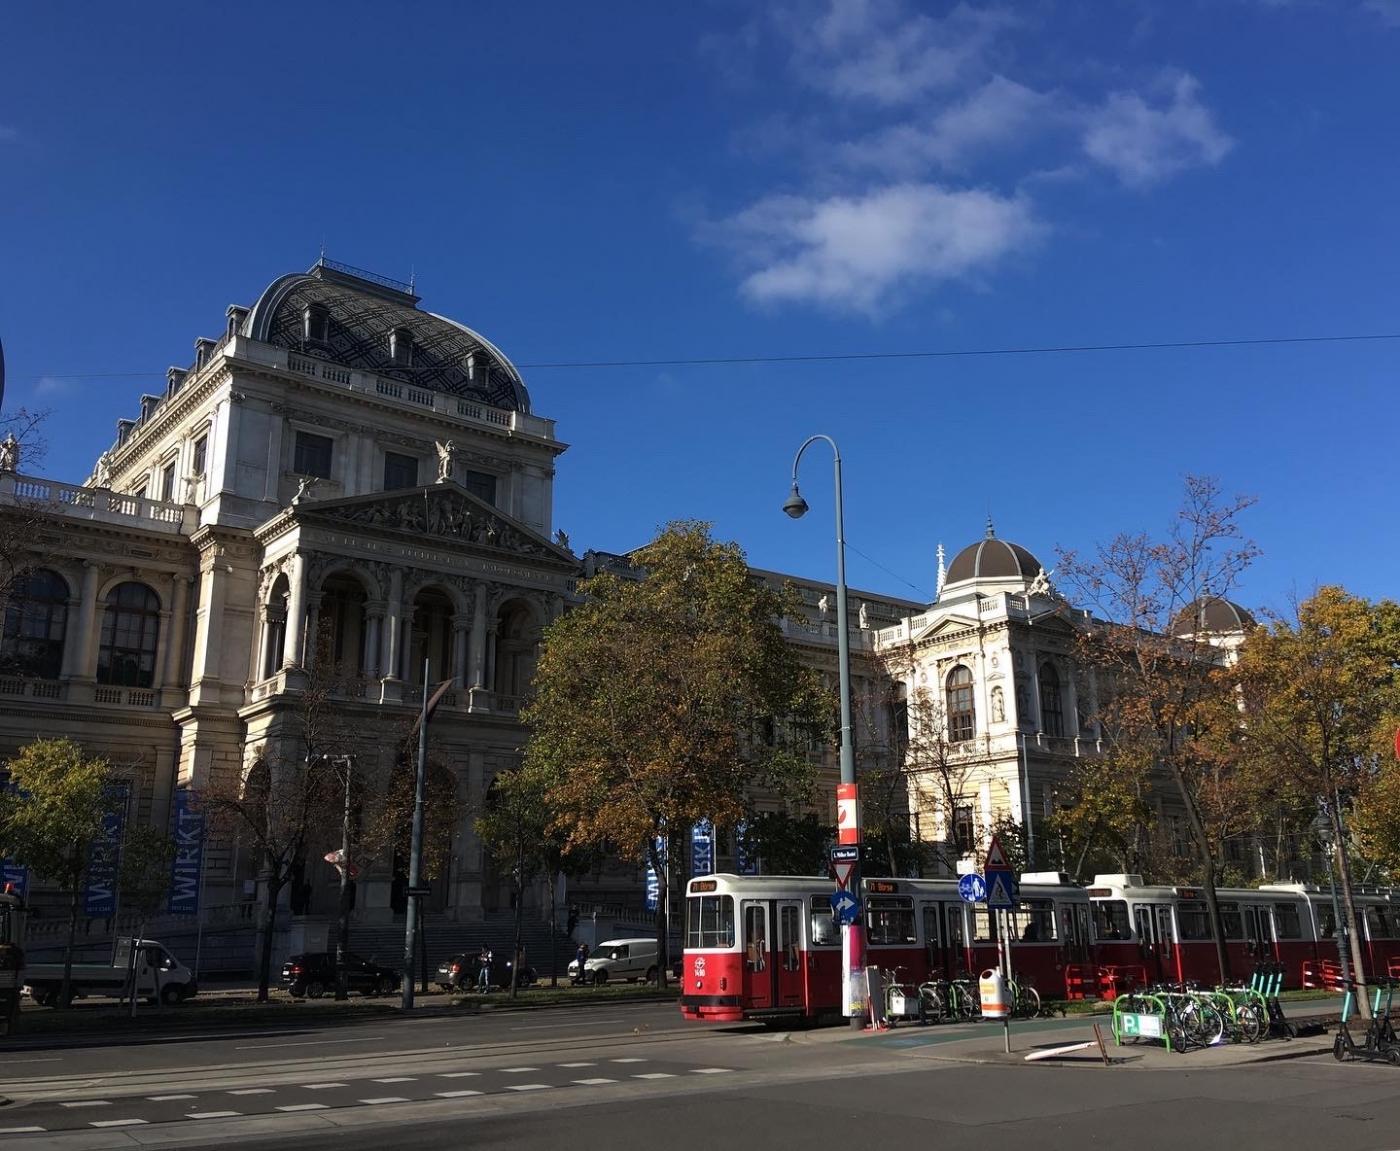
(760, 977)
(788, 977)
(1258, 935)
(1153, 925)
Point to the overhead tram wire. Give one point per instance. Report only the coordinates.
(847, 357)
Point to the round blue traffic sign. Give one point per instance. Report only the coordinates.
(972, 889)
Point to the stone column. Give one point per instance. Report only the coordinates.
(313, 625)
(460, 632)
(390, 637)
(89, 626)
(491, 656)
(477, 658)
(162, 647)
(296, 614)
(406, 644)
(374, 621)
(179, 620)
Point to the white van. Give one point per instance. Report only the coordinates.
(628, 959)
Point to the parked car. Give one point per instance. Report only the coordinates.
(462, 972)
(629, 959)
(313, 975)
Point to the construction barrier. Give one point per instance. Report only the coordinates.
(1119, 979)
(1081, 981)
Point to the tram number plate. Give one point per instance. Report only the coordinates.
(1142, 1026)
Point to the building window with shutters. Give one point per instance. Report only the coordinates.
(1052, 708)
(962, 713)
(400, 471)
(312, 456)
(482, 485)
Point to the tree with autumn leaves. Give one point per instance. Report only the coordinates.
(670, 698)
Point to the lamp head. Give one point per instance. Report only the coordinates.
(795, 505)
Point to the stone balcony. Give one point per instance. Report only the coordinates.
(96, 505)
(385, 390)
(392, 693)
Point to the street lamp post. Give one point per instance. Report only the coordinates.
(847, 793)
(1326, 832)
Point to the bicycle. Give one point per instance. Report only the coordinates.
(1025, 999)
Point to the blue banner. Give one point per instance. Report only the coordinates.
(702, 848)
(745, 862)
(654, 880)
(14, 877)
(188, 834)
(104, 856)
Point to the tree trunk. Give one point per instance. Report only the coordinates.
(342, 934)
(661, 866)
(519, 911)
(65, 993)
(1203, 847)
(131, 969)
(274, 889)
(553, 930)
(1358, 965)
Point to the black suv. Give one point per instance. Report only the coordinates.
(313, 975)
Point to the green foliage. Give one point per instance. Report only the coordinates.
(655, 697)
(143, 875)
(56, 811)
(788, 844)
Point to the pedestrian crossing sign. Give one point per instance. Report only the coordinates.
(1001, 890)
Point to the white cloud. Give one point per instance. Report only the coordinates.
(50, 386)
(875, 51)
(1143, 145)
(1387, 10)
(851, 253)
(1001, 113)
(8, 133)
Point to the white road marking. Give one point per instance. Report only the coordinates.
(89, 1103)
(655, 1075)
(19, 1130)
(117, 1123)
(455, 1094)
(576, 1065)
(385, 1099)
(397, 1079)
(458, 1074)
(321, 1086)
(528, 1087)
(557, 1026)
(516, 1070)
(630, 1059)
(252, 1091)
(594, 1082)
(710, 1070)
(307, 1043)
(303, 1107)
(4, 1062)
(166, 1098)
(213, 1114)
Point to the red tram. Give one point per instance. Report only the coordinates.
(1166, 930)
(767, 947)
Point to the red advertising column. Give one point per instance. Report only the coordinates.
(853, 1004)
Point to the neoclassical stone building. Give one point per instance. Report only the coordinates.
(341, 478)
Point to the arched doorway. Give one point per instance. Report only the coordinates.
(342, 626)
(429, 636)
(517, 644)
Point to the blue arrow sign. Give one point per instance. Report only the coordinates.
(972, 889)
(1001, 890)
(845, 906)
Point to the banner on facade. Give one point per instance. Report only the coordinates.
(702, 847)
(654, 880)
(14, 877)
(745, 861)
(187, 831)
(104, 856)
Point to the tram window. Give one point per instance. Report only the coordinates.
(1034, 921)
(1231, 921)
(1287, 925)
(984, 929)
(824, 932)
(787, 936)
(710, 922)
(1328, 921)
(756, 937)
(1111, 919)
(1378, 922)
(931, 932)
(1193, 921)
(890, 920)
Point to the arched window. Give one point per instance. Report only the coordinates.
(899, 717)
(1052, 710)
(962, 713)
(130, 629)
(35, 620)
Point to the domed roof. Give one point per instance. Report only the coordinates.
(993, 559)
(361, 311)
(1211, 614)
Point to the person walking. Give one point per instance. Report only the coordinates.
(483, 976)
(580, 958)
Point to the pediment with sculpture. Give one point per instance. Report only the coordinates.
(443, 512)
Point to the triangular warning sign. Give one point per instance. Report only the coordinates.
(998, 892)
(996, 858)
(841, 872)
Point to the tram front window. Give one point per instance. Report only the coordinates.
(709, 921)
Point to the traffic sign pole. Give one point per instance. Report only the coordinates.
(852, 933)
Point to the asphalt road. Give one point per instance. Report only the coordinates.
(637, 1077)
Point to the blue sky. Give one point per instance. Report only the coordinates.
(641, 181)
